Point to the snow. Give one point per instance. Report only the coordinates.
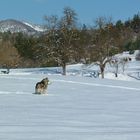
(36, 27)
(124, 77)
(75, 108)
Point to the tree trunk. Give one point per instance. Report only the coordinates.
(102, 71)
(116, 71)
(116, 74)
(64, 69)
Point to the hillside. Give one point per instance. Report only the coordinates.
(18, 26)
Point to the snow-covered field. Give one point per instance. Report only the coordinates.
(76, 107)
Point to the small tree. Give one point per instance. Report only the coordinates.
(124, 61)
(119, 62)
(115, 63)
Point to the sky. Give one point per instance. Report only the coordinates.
(88, 11)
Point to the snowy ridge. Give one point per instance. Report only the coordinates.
(36, 27)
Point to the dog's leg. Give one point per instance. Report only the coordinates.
(38, 91)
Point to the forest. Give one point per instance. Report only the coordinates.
(65, 41)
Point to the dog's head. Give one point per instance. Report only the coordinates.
(46, 81)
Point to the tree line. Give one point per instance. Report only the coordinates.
(66, 42)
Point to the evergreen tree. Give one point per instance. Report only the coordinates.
(24, 45)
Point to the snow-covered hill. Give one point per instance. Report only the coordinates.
(19, 26)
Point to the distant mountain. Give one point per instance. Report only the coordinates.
(37, 28)
(19, 26)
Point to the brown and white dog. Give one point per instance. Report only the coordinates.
(41, 87)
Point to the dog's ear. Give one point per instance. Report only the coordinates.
(47, 79)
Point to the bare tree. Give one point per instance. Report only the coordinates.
(61, 36)
(104, 40)
(107, 41)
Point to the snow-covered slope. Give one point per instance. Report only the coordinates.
(36, 27)
(76, 108)
(18, 26)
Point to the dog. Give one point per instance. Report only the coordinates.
(41, 87)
